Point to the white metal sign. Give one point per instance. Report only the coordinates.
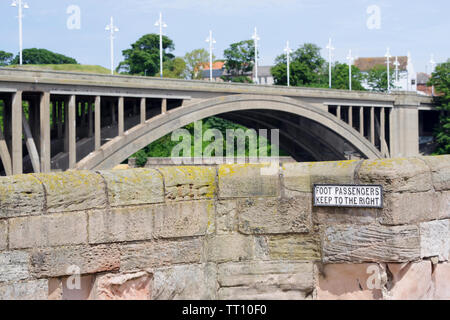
(363, 196)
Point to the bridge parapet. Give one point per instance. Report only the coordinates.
(226, 232)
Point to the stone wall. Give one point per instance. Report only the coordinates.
(226, 232)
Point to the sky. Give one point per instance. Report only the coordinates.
(367, 27)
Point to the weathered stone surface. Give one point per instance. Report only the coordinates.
(435, 239)
(185, 282)
(121, 224)
(184, 219)
(441, 281)
(266, 280)
(247, 180)
(302, 176)
(133, 187)
(189, 183)
(440, 171)
(55, 290)
(77, 289)
(232, 247)
(404, 208)
(274, 215)
(73, 191)
(21, 195)
(13, 266)
(226, 217)
(292, 247)
(160, 253)
(336, 215)
(57, 262)
(351, 281)
(30, 290)
(444, 204)
(128, 286)
(397, 175)
(3, 235)
(370, 243)
(410, 281)
(52, 230)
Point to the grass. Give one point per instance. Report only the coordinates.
(65, 67)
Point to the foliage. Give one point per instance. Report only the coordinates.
(43, 56)
(440, 79)
(143, 56)
(239, 58)
(377, 78)
(306, 67)
(195, 61)
(175, 68)
(340, 72)
(5, 58)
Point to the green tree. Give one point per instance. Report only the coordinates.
(5, 58)
(377, 78)
(143, 56)
(43, 56)
(440, 79)
(306, 67)
(195, 61)
(175, 68)
(340, 74)
(240, 60)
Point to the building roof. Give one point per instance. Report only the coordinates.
(422, 78)
(216, 65)
(365, 64)
(264, 71)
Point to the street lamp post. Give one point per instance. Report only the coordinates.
(256, 38)
(211, 42)
(161, 25)
(433, 65)
(112, 30)
(330, 49)
(288, 60)
(350, 62)
(20, 5)
(396, 64)
(388, 62)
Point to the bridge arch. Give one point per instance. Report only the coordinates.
(122, 147)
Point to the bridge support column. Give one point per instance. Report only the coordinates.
(16, 128)
(72, 132)
(404, 127)
(338, 112)
(350, 116)
(361, 120)
(97, 125)
(90, 122)
(164, 106)
(120, 116)
(372, 125)
(45, 132)
(143, 107)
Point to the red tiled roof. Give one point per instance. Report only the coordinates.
(365, 64)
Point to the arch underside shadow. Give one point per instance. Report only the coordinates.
(307, 133)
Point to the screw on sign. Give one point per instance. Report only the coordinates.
(363, 196)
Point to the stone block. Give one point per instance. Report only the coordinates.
(343, 281)
(160, 253)
(247, 180)
(336, 215)
(123, 286)
(3, 235)
(293, 247)
(441, 281)
(405, 208)
(73, 191)
(229, 247)
(410, 281)
(226, 217)
(185, 282)
(440, 171)
(435, 239)
(274, 215)
(302, 176)
(133, 187)
(62, 261)
(189, 182)
(47, 231)
(443, 204)
(397, 175)
(21, 195)
(184, 219)
(30, 290)
(370, 243)
(266, 280)
(14, 266)
(121, 224)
